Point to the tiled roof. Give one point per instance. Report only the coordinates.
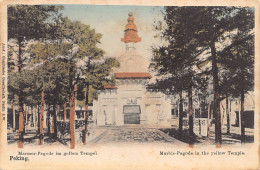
(110, 87)
(132, 75)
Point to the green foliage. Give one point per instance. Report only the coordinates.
(29, 21)
(55, 77)
(179, 55)
(81, 98)
(238, 58)
(97, 73)
(82, 35)
(24, 84)
(190, 31)
(23, 25)
(40, 51)
(53, 58)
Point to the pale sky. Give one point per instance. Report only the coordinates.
(111, 20)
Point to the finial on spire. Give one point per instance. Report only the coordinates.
(131, 32)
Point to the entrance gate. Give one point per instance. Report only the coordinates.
(132, 114)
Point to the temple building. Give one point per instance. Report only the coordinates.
(130, 101)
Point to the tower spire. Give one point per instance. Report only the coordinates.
(131, 32)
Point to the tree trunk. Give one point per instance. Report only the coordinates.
(191, 133)
(26, 117)
(13, 111)
(228, 118)
(64, 111)
(86, 117)
(32, 117)
(208, 119)
(230, 102)
(216, 89)
(21, 126)
(72, 117)
(58, 115)
(199, 121)
(35, 118)
(86, 108)
(180, 115)
(243, 137)
(54, 122)
(26, 114)
(216, 106)
(48, 120)
(40, 117)
(40, 120)
(20, 98)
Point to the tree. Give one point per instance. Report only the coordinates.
(54, 59)
(74, 43)
(53, 76)
(174, 85)
(179, 56)
(22, 26)
(238, 59)
(86, 40)
(97, 75)
(190, 31)
(211, 25)
(218, 23)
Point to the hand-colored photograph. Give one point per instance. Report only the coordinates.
(84, 76)
(130, 74)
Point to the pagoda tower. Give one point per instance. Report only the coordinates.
(131, 33)
(130, 60)
(130, 101)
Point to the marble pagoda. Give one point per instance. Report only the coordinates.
(130, 101)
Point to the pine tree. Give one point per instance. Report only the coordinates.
(22, 26)
(238, 60)
(97, 72)
(179, 57)
(190, 31)
(86, 40)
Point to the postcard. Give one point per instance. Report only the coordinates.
(129, 84)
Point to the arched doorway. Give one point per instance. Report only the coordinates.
(132, 114)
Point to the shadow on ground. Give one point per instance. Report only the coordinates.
(184, 137)
(32, 138)
(231, 138)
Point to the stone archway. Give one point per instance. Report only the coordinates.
(132, 114)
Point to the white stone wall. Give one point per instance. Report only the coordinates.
(155, 108)
(236, 106)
